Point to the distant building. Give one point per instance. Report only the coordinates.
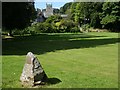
(49, 11)
(40, 16)
(45, 13)
(64, 15)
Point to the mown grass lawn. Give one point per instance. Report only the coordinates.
(88, 60)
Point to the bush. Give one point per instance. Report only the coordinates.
(53, 18)
(33, 32)
(74, 30)
(61, 26)
(17, 32)
(67, 26)
(85, 27)
(43, 28)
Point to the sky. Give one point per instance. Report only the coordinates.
(41, 4)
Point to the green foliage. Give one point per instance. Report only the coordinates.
(67, 26)
(56, 11)
(96, 14)
(65, 7)
(85, 27)
(43, 27)
(22, 32)
(75, 30)
(86, 13)
(95, 20)
(17, 32)
(108, 19)
(17, 15)
(111, 15)
(72, 10)
(80, 15)
(77, 13)
(55, 24)
(53, 18)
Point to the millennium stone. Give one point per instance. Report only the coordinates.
(33, 73)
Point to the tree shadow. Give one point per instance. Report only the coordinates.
(49, 81)
(43, 43)
(53, 81)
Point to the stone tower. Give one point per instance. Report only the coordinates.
(49, 10)
(49, 7)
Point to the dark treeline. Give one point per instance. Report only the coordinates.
(17, 15)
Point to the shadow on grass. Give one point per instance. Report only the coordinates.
(53, 81)
(43, 43)
(50, 81)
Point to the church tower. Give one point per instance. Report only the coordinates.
(49, 7)
(49, 10)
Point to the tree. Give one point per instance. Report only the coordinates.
(53, 18)
(17, 15)
(95, 15)
(56, 11)
(111, 15)
(86, 12)
(77, 13)
(72, 10)
(65, 8)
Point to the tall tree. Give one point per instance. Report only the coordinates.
(65, 8)
(86, 12)
(77, 13)
(72, 10)
(111, 15)
(94, 16)
(17, 15)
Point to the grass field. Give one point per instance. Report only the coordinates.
(88, 60)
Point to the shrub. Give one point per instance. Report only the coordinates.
(33, 32)
(85, 27)
(43, 28)
(17, 32)
(74, 30)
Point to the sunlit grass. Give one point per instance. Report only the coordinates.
(78, 60)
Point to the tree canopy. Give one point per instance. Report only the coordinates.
(111, 15)
(96, 14)
(17, 14)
